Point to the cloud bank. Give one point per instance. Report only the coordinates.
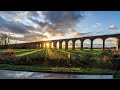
(38, 25)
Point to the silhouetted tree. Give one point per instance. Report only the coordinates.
(5, 40)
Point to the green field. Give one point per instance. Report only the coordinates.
(55, 54)
(52, 53)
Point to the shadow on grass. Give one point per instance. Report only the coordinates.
(23, 51)
(36, 53)
(80, 52)
(28, 53)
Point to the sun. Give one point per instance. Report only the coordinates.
(47, 45)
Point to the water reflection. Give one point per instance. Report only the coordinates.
(6, 74)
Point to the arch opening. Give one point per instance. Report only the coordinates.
(57, 45)
(86, 44)
(47, 45)
(63, 45)
(52, 45)
(77, 45)
(98, 44)
(70, 45)
(111, 43)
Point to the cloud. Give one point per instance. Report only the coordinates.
(48, 24)
(99, 24)
(15, 27)
(63, 18)
(40, 23)
(58, 22)
(33, 37)
(33, 13)
(113, 27)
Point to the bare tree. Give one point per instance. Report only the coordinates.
(5, 39)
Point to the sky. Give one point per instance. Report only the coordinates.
(43, 25)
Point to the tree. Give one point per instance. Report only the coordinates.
(4, 39)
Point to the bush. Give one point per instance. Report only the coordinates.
(8, 52)
(7, 56)
(110, 59)
(88, 60)
(106, 56)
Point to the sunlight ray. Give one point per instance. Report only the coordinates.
(27, 53)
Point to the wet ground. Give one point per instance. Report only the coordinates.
(7, 74)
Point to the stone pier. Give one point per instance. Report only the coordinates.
(73, 44)
(66, 45)
(54, 45)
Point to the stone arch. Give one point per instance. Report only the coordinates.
(77, 44)
(63, 45)
(70, 44)
(43, 44)
(111, 43)
(39, 45)
(87, 44)
(52, 45)
(98, 43)
(57, 44)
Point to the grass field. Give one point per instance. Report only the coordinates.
(52, 53)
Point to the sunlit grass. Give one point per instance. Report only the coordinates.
(47, 52)
(24, 51)
(56, 54)
(80, 52)
(27, 53)
(20, 50)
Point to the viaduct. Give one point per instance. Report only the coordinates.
(40, 44)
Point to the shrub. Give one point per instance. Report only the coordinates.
(106, 56)
(8, 52)
(88, 60)
(76, 61)
(110, 59)
(7, 56)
